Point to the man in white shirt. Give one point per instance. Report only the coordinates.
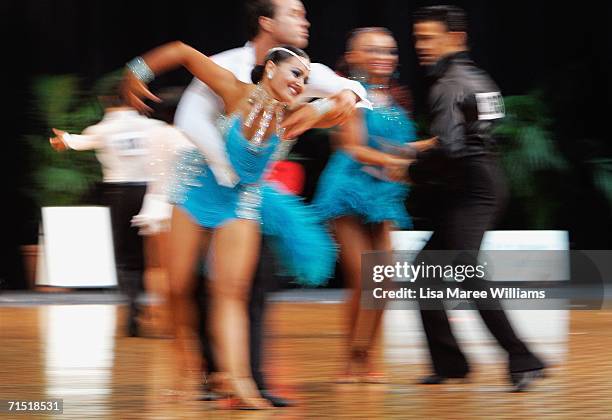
(123, 142)
(270, 23)
(120, 142)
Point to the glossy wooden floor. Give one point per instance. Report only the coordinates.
(78, 353)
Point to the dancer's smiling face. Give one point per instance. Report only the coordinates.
(287, 78)
(373, 53)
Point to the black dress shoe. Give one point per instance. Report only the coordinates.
(132, 329)
(277, 401)
(438, 379)
(522, 380)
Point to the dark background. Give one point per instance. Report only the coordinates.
(564, 49)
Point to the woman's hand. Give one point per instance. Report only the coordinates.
(134, 90)
(303, 118)
(423, 145)
(344, 107)
(171, 56)
(397, 169)
(57, 142)
(307, 117)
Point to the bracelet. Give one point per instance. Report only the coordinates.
(323, 106)
(141, 70)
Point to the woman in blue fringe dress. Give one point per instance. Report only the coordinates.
(231, 219)
(361, 191)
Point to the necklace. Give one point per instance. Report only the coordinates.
(261, 100)
(250, 199)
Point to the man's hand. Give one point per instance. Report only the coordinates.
(57, 142)
(133, 90)
(307, 116)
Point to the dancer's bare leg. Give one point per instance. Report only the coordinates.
(370, 320)
(354, 240)
(157, 282)
(186, 241)
(164, 287)
(235, 253)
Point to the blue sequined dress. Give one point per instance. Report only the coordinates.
(305, 249)
(346, 188)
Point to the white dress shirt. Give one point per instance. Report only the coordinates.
(134, 148)
(121, 142)
(200, 108)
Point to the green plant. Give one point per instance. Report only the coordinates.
(601, 168)
(59, 101)
(533, 164)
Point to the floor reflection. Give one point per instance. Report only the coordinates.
(78, 353)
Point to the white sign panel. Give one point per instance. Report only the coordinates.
(76, 248)
(545, 331)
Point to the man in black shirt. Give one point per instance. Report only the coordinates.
(463, 172)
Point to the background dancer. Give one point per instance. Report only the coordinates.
(122, 141)
(465, 103)
(361, 191)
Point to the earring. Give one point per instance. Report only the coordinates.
(270, 75)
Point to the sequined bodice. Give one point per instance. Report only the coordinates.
(390, 124)
(248, 160)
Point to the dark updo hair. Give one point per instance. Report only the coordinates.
(453, 17)
(277, 57)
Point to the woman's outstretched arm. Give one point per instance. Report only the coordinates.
(178, 54)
